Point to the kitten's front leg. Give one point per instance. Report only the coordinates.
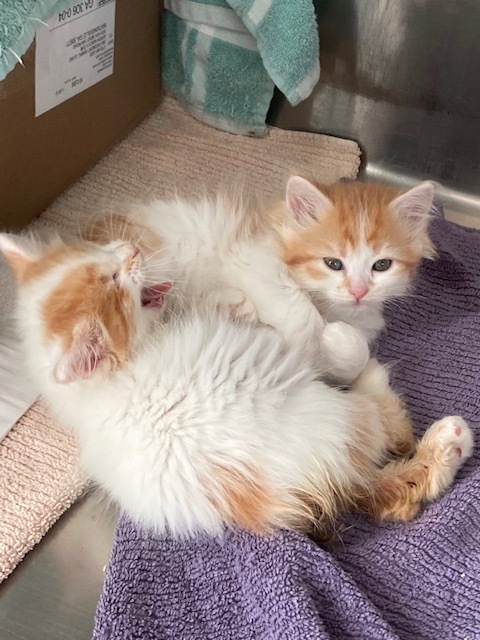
(279, 303)
(338, 350)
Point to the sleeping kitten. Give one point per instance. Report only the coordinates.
(354, 246)
(200, 423)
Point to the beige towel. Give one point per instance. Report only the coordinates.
(39, 479)
(169, 151)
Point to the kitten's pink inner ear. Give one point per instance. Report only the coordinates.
(87, 352)
(304, 201)
(154, 296)
(16, 254)
(415, 204)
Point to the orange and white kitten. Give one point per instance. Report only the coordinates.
(226, 253)
(351, 246)
(354, 246)
(196, 423)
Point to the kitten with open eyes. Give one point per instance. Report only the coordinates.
(354, 246)
(228, 254)
(198, 423)
(351, 246)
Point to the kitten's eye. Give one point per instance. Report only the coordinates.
(382, 265)
(333, 263)
(116, 275)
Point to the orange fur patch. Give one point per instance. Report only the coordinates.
(245, 501)
(85, 294)
(360, 214)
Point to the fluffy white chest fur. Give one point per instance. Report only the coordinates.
(232, 260)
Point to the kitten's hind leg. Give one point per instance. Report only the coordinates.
(402, 486)
(374, 383)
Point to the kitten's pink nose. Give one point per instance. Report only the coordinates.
(358, 291)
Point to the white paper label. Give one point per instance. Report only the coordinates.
(73, 52)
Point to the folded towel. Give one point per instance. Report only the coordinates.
(223, 58)
(415, 581)
(19, 20)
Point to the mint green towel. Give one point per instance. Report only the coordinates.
(223, 58)
(19, 20)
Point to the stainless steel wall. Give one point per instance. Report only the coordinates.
(402, 77)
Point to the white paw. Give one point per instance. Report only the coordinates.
(345, 351)
(236, 304)
(374, 379)
(452, 439)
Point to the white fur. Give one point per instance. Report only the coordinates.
(209, 247)
(206, 243)
(334, 300)
(199, 392)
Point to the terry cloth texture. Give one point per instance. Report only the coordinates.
(415, 581)
(39, 480)
(223, 58)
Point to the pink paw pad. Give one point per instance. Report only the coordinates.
(454, 437)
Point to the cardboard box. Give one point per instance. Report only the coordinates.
(41, 156)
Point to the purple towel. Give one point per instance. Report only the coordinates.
(413, 581)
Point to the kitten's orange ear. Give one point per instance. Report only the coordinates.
(88, 351)
(415, 205)
(19, 252)
(304, 201)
